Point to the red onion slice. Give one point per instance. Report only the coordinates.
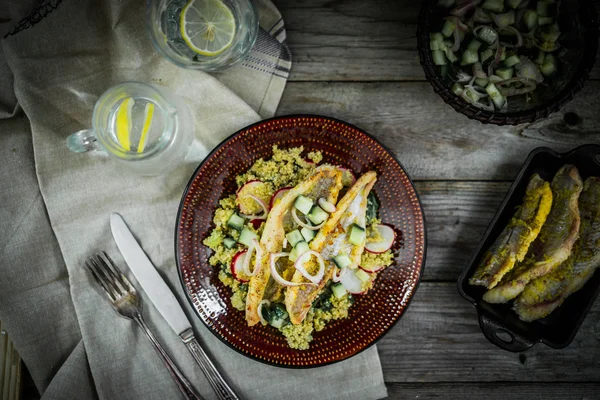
(254, 246)
(278, 277)
(261, 204)
(304, 224)
(300, 268)
(516, 32)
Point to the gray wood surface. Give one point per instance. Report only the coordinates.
(356, 60)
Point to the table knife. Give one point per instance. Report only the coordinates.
(165, 302)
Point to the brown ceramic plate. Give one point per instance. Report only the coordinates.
(374, 313)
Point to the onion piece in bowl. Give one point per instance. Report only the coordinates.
(275, 274)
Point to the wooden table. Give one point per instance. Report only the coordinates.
(356, 60)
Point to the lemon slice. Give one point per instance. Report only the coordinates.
(148, 114)
(123, 123)
(207, 26)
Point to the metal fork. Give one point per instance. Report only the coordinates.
(125, 300)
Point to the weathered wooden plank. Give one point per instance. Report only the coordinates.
(431, 139)
(355, 40)
(439, 340)
(457, 214)
(494, 391)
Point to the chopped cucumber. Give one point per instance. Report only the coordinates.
(530, 18)
(506, 19)
(505, 73)
(317, 215)
(471, 95)
(450, 55)
(448, 28)
(512, 61)
(457, 88)
(229, 243)
(487, 53)
(303, 204)
(481, 82)
(342, 261)
(276, 315)
(299, 249)
(469, 57)
(438, 57)
(513, 3)
(474, 45)
(436, 37)
(246, 237)
(493, 5)
(545, 21)
(294, 237)
(547, 9)
(236, 222)
(549, 66)
(495, 78)
(338, 290)
(307, 234)
(357, 235)
(487, 35)
(433, 45)
(495, 95)
(539, 60)
(362, 275)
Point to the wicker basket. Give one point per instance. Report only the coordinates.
(582, 17)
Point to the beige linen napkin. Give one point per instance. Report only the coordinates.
(61, 65)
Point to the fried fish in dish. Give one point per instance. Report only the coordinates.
(544, 294)
(554, 242)
(332, 240)
(325, 182)
(513, 243)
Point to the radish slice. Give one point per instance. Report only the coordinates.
(278, 195)
(351, 282)
(385, 243)
(337, 277)
(348, 177)
(237, 266)
(304, 224)
(326, 206)
(371, 270)
(259, 310)
(300, 267)
(262, 205)
(278, 277)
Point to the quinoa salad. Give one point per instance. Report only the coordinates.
(297, 242)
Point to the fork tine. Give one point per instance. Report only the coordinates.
(111, 275)
(117, 272)
(102, 273)
(100, 281)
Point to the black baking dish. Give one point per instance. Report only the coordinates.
(499, 323)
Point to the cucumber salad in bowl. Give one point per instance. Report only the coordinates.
(298, 241)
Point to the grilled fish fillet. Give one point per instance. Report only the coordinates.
(554, 243)
(544, 294)
(325, 182)
(331, 240)
(513, 243)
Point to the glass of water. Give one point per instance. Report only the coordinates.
(209, 35)
(146, 128)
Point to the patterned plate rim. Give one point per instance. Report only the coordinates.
(177, 254)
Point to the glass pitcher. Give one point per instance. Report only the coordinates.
(146, 128)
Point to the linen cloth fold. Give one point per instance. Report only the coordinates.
(61, 65)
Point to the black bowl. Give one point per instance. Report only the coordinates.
(579, 43)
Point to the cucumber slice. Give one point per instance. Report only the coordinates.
(362, 275)
(493, 5)
(471, 95)
(436, 37)
(299, 249)
(308, 234)
(539, 60)
(486, 54)
(342, 261)
(545, 21)
(495, 95)
(469, 56)
(513, 3)
(530, 18)
(481, 82)
(506, 19)
(549, 66)
(294, 237)
(512, 61)
(451, 56)
(487, 35)
(317, 215)
(433, 45)
(338, 290)
(457, 88)
(438, 57)
(448, 28)
(246, 237)
(495, 78)
(303, 204)
(229, 243)
(236, 222)
(474, 45)
(505, 73)
(357, 235)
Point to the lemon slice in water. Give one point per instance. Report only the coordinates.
(207, 26)
(123, 123)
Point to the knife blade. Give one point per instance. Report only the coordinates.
(146, 274)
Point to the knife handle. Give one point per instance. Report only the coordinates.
(215, 379)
